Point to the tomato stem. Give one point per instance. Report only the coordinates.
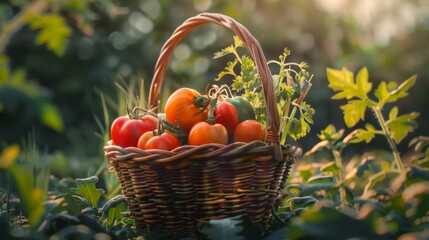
(211, 115)
(163, 124)
(213, 96)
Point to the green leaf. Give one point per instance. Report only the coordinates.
(343, 83)
(18, 77)
(8, 156)
(321, 179)
(69, 204)
(366, 134)
(53, 33)
(331, 167)
(400, 126)
(115, 214)
(391, 92)
(307, 189)
(320, 145)
(302, 127)
(301, 202)
(326, 222)
(401, 91)
(50, 116)
(86, 188)
(362, 84)
(238, 227)
(339, 80)
(32, 197)
(331, 134)
(354, 111)
(378, 177)
(229, 70)
(111, 204)
(418, 195)
(382, 93)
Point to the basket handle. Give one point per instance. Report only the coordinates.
(249, 41)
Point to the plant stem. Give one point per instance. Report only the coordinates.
(389, 138)
(285, 130)
(338, 161)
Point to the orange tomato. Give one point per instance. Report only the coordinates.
(248, 131)
(186, 107)
(203, 133)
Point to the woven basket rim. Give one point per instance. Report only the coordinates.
(134, 154)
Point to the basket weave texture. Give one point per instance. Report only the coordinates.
(174, 190)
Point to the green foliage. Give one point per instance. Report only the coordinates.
(86, 188)
(292, 83)
(53, 31)
(15, 88)
(239, 227)
(395, 128)
(356, 92)
(401, 125)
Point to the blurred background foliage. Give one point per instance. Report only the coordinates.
(59, 58)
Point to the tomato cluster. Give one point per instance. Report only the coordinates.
(201, 119)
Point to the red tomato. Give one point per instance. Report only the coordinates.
(203, 132)
(165, 141)
(185, 107)
(227, 115)
(249, 130)
(125, 131)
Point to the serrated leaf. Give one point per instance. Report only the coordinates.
(343, 83)
(228, 50)
(382, 93)
(401, 90)
(366, 134)
(400, 126)
(69, 204)
(362, 84)
(354, 111)
(86, 188)
(50, 116)
(339, 79)
(229, 70)
(330, 133)
(248, 70)
(391, 92)
(115, 214)
(53, 31)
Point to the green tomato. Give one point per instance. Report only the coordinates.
(244, 108)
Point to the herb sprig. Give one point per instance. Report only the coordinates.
(291, 83)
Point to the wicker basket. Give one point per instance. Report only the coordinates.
(174, 190)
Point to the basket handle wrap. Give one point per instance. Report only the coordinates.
(249, 41)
